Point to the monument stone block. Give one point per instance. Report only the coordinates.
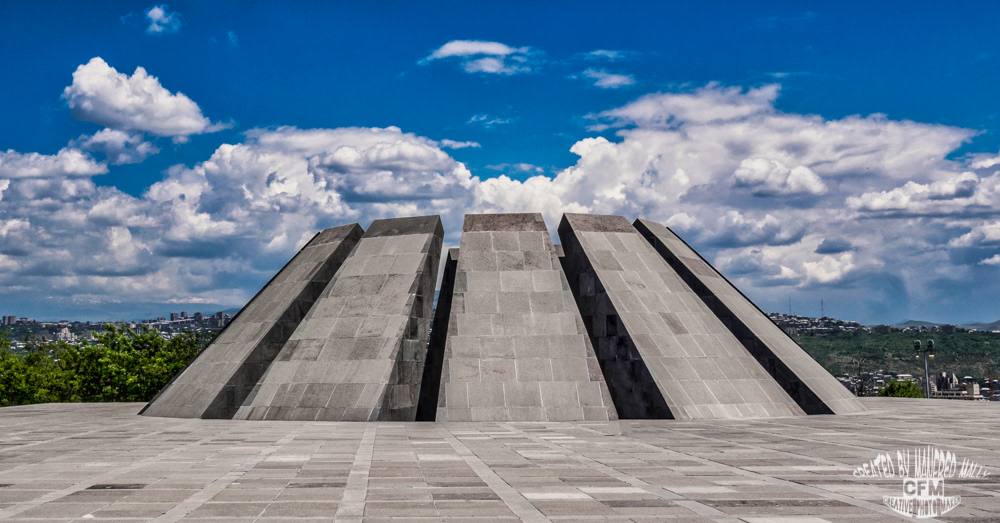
(805, 380)
(664, 354)
(217, 381)
(516, 349)
(359, 353)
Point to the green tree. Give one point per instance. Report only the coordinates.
(120, 365)
(901, 389)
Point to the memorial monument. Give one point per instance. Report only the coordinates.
(619, 321)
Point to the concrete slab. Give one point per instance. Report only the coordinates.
(805, 380)
(772, 469)
(516, 349)
(359, 353)
(664, 354)
(215, 383)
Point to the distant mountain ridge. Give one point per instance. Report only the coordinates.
(979, 326)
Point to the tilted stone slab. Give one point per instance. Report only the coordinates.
(215, 384)
(359, 353)
(516, 348)
(663, 352)
(805, 380)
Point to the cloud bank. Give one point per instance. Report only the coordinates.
(861, 210)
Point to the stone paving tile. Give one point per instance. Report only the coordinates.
(105, 463)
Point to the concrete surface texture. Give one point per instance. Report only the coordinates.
(663, 352)
(215, 384)
(805, 380)
(516, 348)
(359, 353)
(86, 462)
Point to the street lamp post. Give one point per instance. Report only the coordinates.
(929, 351)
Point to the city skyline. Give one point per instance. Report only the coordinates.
(166, 157)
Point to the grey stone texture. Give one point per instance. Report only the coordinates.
(663, 352)
(101, 462)
(215, 384)
(516, 348)
(359, 353)
(805, 380)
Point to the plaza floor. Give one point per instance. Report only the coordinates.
(84, 462)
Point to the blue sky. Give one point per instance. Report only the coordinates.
(834, 151)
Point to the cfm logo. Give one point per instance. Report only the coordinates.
(923, 472)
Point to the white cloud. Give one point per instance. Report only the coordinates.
(488, 121)
(765, 177)
(609, 55)
(477, 56)
(119, 146)
(67, 162)
(993, 260)
(705, 105)
(962, 193)
(102, 95)
(608, 80)
(162, 21)
(452, 144)
(233, 39)
(829, 269)
(986, 233)
(217, 229)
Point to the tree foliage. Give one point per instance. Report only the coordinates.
(901, 389)
(120, 365)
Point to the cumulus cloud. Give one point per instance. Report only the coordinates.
(162, 21)
(765, 177)
(476, 56)
(68, 161)
(782, 203)
(102, 95)
(986, 233)
(964, 193)
(606, 80)
(203, 230)
(120, 147)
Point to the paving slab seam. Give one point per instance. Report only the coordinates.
(181, 510)
(18, 508)
(882, 509)
(690, 504)
(861, 459)
(63, 456)
(517, 503)
(52, 440)
(352, 503)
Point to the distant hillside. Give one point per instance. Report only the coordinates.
(983, 326)
(915, 323)
(963, 353)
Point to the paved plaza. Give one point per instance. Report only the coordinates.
(84, 462)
